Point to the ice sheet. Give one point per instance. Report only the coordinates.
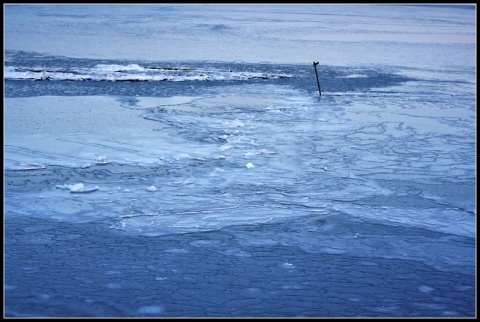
(178, 161)
(334, 34)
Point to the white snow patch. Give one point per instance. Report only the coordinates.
(151, 309)
(78, 187)
(425, 289)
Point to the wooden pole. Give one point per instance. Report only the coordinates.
(318, 81)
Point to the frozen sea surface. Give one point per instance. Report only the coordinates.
(218, 183)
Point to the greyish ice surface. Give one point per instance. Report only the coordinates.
(178, 161)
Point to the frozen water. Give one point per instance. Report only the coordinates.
(178, 161)
(420, 36)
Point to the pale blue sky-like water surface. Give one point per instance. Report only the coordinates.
(178, 161)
